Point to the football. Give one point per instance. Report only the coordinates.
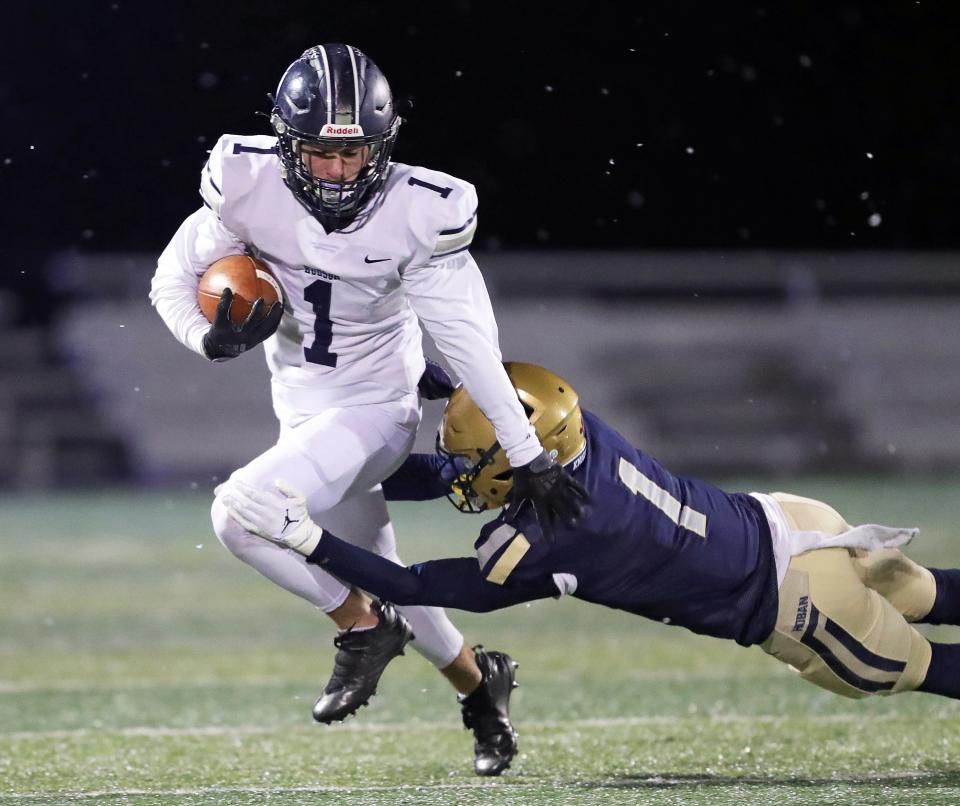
(247, 277)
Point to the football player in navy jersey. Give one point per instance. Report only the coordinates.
(834, 601)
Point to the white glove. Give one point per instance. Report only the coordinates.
(281, 519)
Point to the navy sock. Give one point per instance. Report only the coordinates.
(946, 607)
(943, 676)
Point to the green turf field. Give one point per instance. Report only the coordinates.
(140, 663)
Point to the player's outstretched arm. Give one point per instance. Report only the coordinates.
(454, 582)
(282, 518)
(423, 477)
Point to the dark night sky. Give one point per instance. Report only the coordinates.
(794, 125)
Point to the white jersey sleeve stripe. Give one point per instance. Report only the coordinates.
(468, 222)
(209, 192)
(457, 240)
(209, 174)
(494, 543)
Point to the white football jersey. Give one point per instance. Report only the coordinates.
(349, 333)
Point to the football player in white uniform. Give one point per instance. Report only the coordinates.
(363, 248)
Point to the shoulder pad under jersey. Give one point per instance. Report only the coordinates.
(233, 167)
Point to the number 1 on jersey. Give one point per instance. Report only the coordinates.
(318, 294)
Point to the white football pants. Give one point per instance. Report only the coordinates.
(338, 459)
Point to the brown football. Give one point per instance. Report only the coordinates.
(247, 277)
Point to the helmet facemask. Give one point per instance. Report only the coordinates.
(464, 470)
(334, 204)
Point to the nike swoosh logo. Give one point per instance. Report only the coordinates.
(378, 260)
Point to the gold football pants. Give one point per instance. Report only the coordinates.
(843, 618)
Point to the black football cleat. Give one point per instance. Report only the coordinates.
(360, 660)
(486, 711)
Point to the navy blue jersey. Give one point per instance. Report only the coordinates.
(671, 548)
(662, 546)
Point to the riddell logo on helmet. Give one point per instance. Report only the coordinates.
(333, 130)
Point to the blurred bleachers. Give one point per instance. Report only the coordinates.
(765, 387)
(772, 363)
(53, 431)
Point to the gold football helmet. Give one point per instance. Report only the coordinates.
(482, 475)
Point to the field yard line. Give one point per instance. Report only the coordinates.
(261, 790)
(28, 687)
(376, 727)
(514, 784)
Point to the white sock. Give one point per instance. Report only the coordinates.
(357, 629)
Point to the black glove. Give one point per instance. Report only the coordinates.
(226, 340)
(553, 492)
(435, 383)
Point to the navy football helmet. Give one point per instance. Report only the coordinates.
(334, 96)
